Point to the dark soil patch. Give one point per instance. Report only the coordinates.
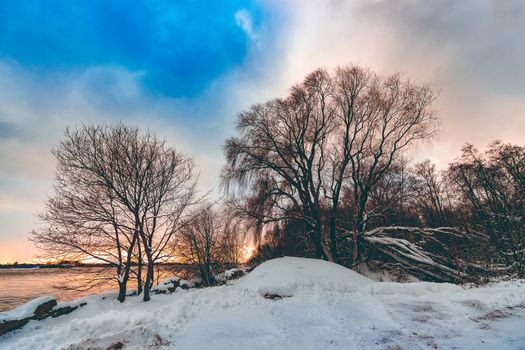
(273, 296)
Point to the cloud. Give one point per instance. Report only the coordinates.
(35, 109)
(471, 51)
(244, 20)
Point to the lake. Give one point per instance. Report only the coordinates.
(18, 286)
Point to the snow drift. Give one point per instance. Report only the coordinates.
(285, 276)
(26, 310)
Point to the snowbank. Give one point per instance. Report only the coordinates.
(329, 307)
(285, 276)
(26, 310)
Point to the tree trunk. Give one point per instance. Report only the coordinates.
(356, 256)
(123, 279)
(326, 252)
(149, 279)
(139, 271)
(318, 246)
(122, 291)
(333, 237)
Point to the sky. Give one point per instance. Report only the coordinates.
(185, 69)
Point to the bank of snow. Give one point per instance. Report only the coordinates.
(323, 306)
(25, 310)
(285, 276)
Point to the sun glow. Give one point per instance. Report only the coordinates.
(248, 252)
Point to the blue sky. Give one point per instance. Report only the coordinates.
(184, 69)
(179, 45)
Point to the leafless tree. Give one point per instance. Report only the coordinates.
(429, 194)
(294, 156)
(279, 155)
(119, 196)
(233, 242)
(390, 199)
(198, 243)
(492, 184)
(170, 193)
(209, 242)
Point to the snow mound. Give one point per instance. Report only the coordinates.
(26, 310)
(285, 276)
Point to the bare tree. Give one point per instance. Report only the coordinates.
(394, 114)
(279, 154)
(199, 243)
(429, 194)
(170, 193)
(210, 242)
(294, 156)
(390, 200)
(492, 184)
(119, 194)
(233, 241)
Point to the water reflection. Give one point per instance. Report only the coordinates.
(18, 286)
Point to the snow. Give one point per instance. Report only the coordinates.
(228, 274)
(174, 283)
(284, 276)
(169, 281)
(26, 310)
(324, 306)
(166, 284)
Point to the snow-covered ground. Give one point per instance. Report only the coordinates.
(310, 304)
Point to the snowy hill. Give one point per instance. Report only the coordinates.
(293, 303)
(285, 276)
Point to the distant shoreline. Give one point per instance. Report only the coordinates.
(46, 266)
(67, 266)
